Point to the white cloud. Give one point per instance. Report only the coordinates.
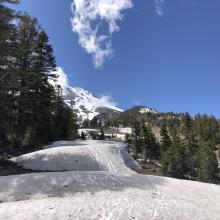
(107, 101)
(62, 79)
(159, 6)
(89, 16)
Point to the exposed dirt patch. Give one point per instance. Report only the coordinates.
(149, 169)
(148, 172)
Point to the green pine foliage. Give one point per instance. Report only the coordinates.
(151, 147)
(82, 136)
(186, 149)
(102, 134)
(208, 170)
(165, 139)
(182, 140)
(137, 137)
(32, 111)
(142, 141)
(190, 156)
(174, 159)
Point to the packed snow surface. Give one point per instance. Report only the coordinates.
(86, 155)
(104, 187)
(105, 195)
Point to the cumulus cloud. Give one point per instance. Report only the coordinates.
(89, 16)
(107, 101)
(159, 6)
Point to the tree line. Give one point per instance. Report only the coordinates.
(184, 151)
(32, 111)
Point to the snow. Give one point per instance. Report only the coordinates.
(105, 195)
(89, 155)
(100, 186)
(147, 110)
(86, 104)
(125, 130)
(119, 133)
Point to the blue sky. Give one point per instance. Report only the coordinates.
(168, 58)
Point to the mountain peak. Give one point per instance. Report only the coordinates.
(83, 102)
(86, 105)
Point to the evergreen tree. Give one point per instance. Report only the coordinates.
(102, 134)
(165, 139)
(174, 159)
(7, 47)
(31, 111)
(208, 168)
(150, 145)
(82, 136)
(190, 144)
(65, 121)
(86, 123)
(128, 141)
(137, 137)
(94, 123)
(43, 65)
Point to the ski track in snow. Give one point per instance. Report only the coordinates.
(80, 156)
(101, 187)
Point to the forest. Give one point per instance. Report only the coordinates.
(32, 111)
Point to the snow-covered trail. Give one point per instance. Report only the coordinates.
(105, 195)
(100, 184)
(87, 155)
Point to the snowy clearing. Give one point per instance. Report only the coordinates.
(105, 195)
(79, 155)
(101, 186)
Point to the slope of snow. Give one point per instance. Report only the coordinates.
(87, 106)
(79, 155)
(105, 195)
(109, 191)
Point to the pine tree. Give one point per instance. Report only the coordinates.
(150, 145)
(102, 134)
(86, 123)
(94, 123)
(174, 160)
(208, 169)
(190, 144)
(165, 139)
(128, 141)
(82, 136)
(65, 121)
(137, 137)
(30, 108)
(7, 46)
(43, 65)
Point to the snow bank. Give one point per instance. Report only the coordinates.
(101, 186)
(80, 155)
(105, 195)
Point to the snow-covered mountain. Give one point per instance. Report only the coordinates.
(147, 110)
(83, 102)
(86, 105)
